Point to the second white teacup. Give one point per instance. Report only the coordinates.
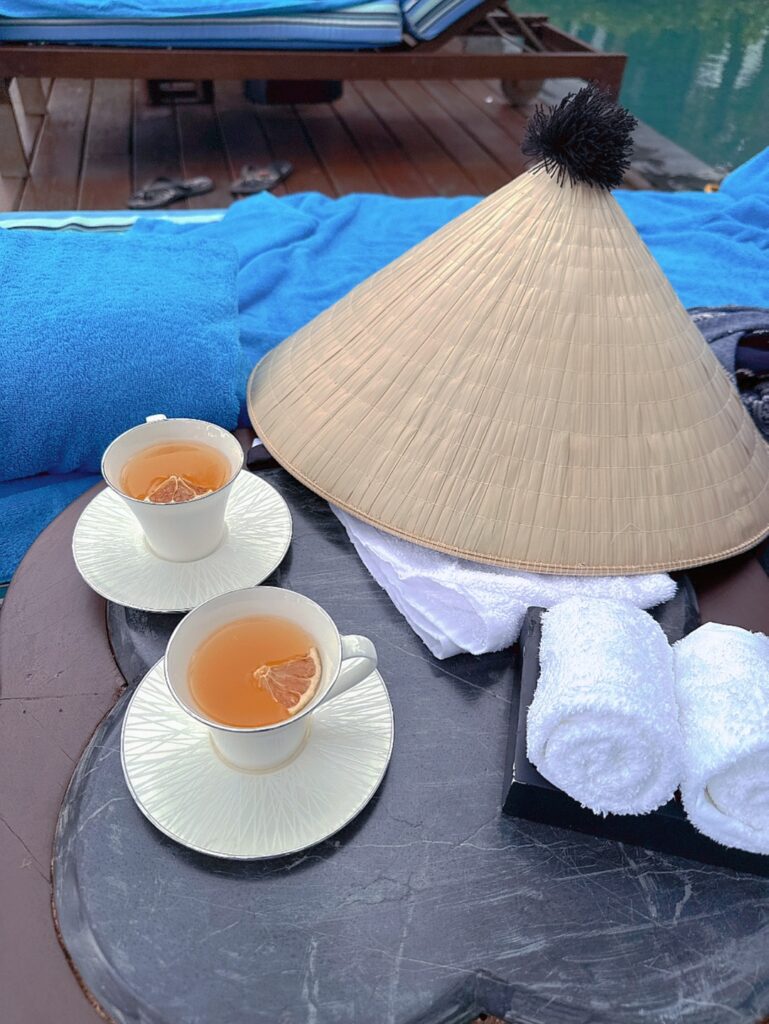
(189, 530)
(345, 662)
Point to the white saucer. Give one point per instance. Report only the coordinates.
(186, 790)
(113, 558)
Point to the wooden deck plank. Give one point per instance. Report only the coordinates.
(345, 165)
(105, 179)
(488, 100)
(53, 183)
(243, 136)
(156, 144)
(34, 94)
(406, 138)
(203, 153)
(288, 141)
(500, 144)
(485, 173)
(25, 125)
(442, 175)
(396, 172)
(10, 193)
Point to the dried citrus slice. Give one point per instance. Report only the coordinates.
(175, 489)
(164, 492)
(184, 492)
(291, 683)
(198, 492)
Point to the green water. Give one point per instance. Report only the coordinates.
(697, 71)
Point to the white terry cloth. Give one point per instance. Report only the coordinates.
(458, 606)
(722, 688)
(603, 725)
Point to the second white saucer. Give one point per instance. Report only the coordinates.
(182, 785)
(114, 559)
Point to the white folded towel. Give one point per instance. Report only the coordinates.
(458, 606)
(722, 689)
(603, 725)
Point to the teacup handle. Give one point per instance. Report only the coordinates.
(358, 662)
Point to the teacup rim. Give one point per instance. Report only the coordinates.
(241, 730)
(171, 419)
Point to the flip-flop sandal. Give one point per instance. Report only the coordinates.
(164, 191)
(261, 179)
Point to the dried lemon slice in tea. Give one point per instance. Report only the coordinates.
(164, 492)
(291, 683)
(174, 489)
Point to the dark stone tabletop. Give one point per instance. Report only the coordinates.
(430, 907)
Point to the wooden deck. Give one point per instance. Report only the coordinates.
(100, 140)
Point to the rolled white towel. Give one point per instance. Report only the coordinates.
(603, 725)
(722, 689)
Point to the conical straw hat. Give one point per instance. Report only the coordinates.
(523, 388)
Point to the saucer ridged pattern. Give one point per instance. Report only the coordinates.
(113, 558)
(187, 791)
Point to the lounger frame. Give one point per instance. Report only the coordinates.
(476, 46)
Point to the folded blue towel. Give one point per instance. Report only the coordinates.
(160, 8)
(99, 331)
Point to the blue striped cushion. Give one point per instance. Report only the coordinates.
(371, 24)
(426, 19)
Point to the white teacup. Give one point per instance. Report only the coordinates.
(191, 529)
(345, 661)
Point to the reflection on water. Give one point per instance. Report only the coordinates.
(698, 70)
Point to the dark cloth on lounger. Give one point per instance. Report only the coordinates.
(725, 329)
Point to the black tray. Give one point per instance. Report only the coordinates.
(528, 795)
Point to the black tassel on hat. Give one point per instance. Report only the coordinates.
(586, 138)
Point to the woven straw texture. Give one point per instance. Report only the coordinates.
(525, 389)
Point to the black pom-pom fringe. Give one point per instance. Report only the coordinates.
(586, 138)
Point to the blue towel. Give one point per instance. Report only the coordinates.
(99, 331)
(301, 253)
(714, 248)
(161, 8)
(28, 506)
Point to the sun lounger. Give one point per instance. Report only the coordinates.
(413, 39)
(421, 39)
(371, 24)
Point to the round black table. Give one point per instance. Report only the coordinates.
(430, 907)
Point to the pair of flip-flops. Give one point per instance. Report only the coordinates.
(165, 191)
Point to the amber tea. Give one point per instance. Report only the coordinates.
(174, 471)
(254, 671)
